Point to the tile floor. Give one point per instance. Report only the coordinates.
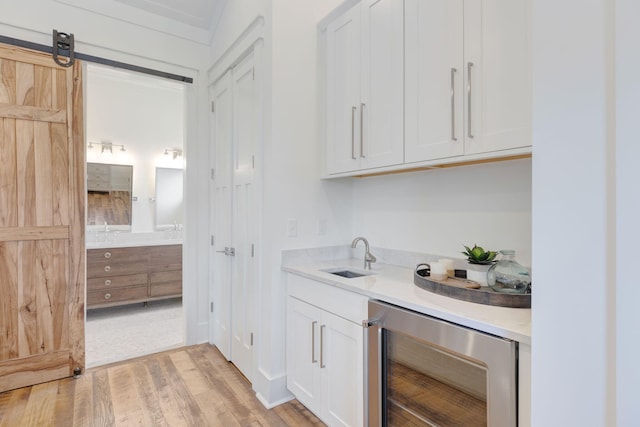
(120, 333)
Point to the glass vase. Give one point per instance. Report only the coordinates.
(507, 276)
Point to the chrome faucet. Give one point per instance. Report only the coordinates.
(106, 227)
(368, 256)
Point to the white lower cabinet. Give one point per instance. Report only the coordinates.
(325, 350)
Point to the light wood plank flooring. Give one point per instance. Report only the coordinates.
(191, 386)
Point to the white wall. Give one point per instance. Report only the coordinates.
(439, 211)
(573, 350)
(628, 212)
(146, 115)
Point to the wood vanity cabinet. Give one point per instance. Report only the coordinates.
(118, 276)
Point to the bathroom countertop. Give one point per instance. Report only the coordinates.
(117, 239)
(394, 284)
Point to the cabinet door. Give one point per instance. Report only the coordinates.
(434, 79)
(342, 358)
(381, 108)
(343, 92)
(303, 350)
(497, 40)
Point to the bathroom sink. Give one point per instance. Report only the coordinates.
(349, 273)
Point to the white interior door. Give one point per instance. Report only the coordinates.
(245, 134)
(221, 198)
(234, 206)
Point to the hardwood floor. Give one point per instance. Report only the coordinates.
(192, 386)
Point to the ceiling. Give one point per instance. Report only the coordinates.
(190, 19)
(196, 13)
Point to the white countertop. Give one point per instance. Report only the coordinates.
(119, 239)
(395, 285)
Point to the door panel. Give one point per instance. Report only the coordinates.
(498, 42)
(433, 92)
(245, 132)
(234, 211)
(382, 40)
(41, 219)
(221, 198)
(343, 92)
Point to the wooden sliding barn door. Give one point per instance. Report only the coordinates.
(42, 258)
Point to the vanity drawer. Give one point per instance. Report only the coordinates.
(110, 268)
(165, 283)
(165, 258)
(118, 254)
(116, 295)
(110, 282)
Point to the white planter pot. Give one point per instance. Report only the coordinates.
(478, 273)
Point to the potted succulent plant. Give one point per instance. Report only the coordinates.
(479, 263)
(477, 255)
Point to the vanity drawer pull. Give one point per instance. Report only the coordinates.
(107, 282)
(107, 268)
(107, 255)
(107, 296)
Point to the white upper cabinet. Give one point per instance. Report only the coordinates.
(365, 76)
(468, 77)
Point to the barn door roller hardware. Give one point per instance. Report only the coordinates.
(63, 45)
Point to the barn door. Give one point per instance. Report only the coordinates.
(42, 258)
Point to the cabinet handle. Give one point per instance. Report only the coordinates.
(313, 341)
(107, 296)
(469, 66)
(107, 268)
(107, 255)
(353, 131)
(362, 130)
(107, 282)
(322, 365)
(453, 104)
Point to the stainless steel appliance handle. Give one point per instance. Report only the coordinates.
(353, 136)
(313, 341)
(362, 105)
(469, 109)
(322, 365)
(453, 104)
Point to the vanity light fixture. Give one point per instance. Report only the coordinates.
(106, 146)
(175, 152)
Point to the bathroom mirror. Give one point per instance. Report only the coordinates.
(109, 194)
(168, 198)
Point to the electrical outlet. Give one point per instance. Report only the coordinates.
(292, 227)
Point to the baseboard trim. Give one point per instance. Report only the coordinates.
(271, 391)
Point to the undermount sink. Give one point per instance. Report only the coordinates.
(349, 273)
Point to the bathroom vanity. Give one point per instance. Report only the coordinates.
(125, 275)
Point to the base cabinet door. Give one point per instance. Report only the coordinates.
(325, 359)
(341, 369)
(303, 374)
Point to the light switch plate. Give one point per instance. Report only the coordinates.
(292, 227)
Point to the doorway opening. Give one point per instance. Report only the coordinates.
(135, 167)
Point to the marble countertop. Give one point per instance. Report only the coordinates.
(394, 285)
